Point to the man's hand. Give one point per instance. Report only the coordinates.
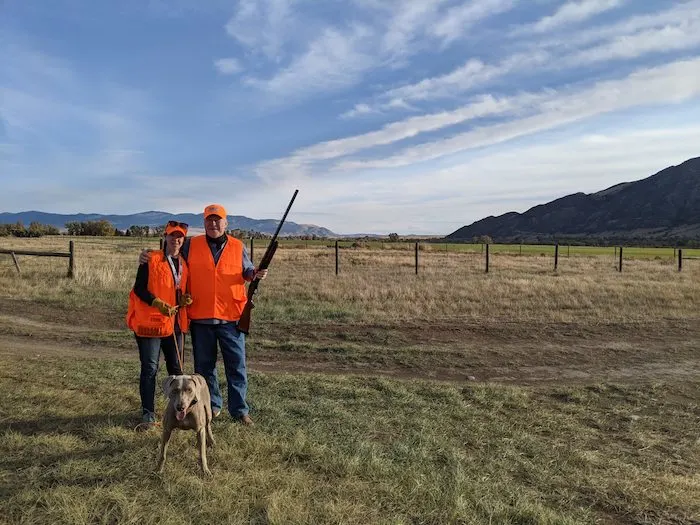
(185, 300)
(144, 256)
(259, 274)
(164, 307)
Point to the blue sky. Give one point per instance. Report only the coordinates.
(388, 115)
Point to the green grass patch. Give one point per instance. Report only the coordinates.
(349, 450)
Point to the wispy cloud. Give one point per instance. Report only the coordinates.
(334, 59)
(341, 54)
(263, 26)
(534, 112)
(673, 83)
(458, 20)
(682, 35)
(471, 74)
(671, 14)
(228, 66)
(574, 12)
(677, 28)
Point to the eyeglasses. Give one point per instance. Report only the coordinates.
(175, 224)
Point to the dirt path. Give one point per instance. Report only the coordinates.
(593, 357)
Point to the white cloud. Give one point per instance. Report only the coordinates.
(334, 59)
(314, 55)
(302, 160)
(263, 26)
(684, 35)
(407, 21)
(509, 179)
(574, 12)
(455, 23)
(228, 66)
(358, 110)
(674, 15)
(673, 83)
(669, 84)
(672, 30)
(472, 73)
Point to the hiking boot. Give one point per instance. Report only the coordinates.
(216, 412)
(148, 422)
(246, 420)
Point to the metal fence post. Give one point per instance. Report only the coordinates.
(556, 256)
(487, 258)
(336, 257)
(680, 259)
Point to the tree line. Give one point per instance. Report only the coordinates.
(101, 228)
(34, 229)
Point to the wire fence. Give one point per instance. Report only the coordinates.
(339, 257)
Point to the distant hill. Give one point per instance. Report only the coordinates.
(664, 207)
(159, 218)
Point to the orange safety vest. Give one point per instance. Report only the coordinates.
(218, 291)
(146, 320)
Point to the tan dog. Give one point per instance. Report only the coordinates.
(189, 408)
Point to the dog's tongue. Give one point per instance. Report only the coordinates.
(180, 415)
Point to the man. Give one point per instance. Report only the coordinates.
(219, 267)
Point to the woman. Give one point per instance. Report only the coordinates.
(157, 315)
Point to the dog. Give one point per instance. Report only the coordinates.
(189, 408)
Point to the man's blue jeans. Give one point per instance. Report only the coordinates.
(149, 354)
(232, 343)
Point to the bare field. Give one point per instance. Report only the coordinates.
(523, 395)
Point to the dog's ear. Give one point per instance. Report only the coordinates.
(167, 383)
(197, 387)
(199, 382)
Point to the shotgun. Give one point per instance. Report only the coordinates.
(244, 321)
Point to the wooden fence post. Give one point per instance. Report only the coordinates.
(160, 243)
(556, 256)
(251, 249)
(14, 258)
(680, 259)
(336, 257)
(416, 258)
(71, 260)
(487, 258)
(620, 267)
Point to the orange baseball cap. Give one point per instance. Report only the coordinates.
(215, 209)
(174, 226)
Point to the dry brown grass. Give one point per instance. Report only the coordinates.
(381, 286)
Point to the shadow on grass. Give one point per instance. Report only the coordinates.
(26, 464)
(81, 426)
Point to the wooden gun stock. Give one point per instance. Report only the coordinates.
(244, 321)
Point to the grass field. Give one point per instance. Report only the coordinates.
(453, 396)
(565, 250)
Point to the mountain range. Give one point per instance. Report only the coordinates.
(664, 207)
(159, 218)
